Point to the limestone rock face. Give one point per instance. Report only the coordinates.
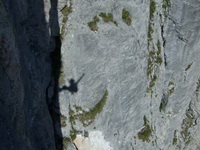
(99, 75)
(138, 65)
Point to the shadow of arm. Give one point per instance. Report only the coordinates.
(80, 78)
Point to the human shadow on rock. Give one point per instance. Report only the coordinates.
(73, 86)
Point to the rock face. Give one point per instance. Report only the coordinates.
(129, 77)
(140, 61)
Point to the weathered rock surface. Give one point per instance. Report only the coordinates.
(149, 69)
(129, 78)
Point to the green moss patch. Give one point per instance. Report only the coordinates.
(65, 11)
(66, 141)
(146, 132)
(150, 34)
(175, 138)
(73, 133)
(63, 121)
(126, 16)
(86, 118)
(107, 17)
(171, 91)
(152, 83)
(154, 60)
(186, 125)
(162, 105)
(171, 84)
(93, 24)
(159, 48)
(166, 4)
(152, 9)
(171, 88)
(72, 119)
(150, 65)
(61, 78)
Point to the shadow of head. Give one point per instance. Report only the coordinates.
(71, 81)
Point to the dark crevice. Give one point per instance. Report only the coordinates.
(171, 19)
(75, 146)
(162, 35)
(164, 102)
(181, 38)
(54, 107)
(164, 43)
(165, 59)
(53, 103)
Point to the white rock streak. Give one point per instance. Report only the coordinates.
(95, 141)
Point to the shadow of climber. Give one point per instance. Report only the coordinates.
(73, 86)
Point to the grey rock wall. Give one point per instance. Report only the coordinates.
(129, 77)
(149, 70)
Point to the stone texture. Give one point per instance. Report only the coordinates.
(117, 59)
(122, 85)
